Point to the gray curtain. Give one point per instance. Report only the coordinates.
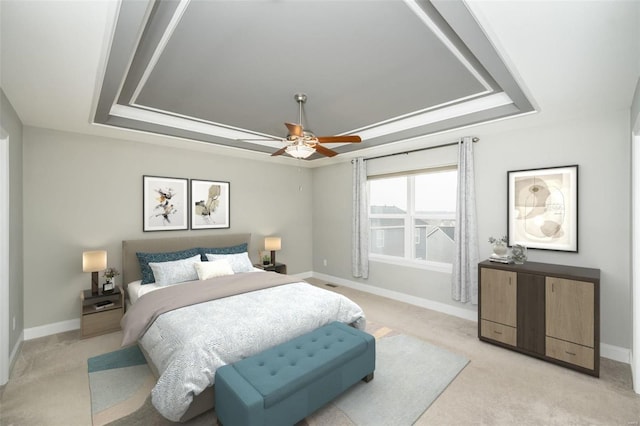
(464, 280)
(360, 222)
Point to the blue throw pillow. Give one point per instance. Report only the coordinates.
(240, 248)
(145, 258)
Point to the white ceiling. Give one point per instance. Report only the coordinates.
(368, 67)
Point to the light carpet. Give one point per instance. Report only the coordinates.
(410, 374)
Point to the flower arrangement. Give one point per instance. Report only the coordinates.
(110, 273)
(265, 257)
(499, 246)
(502, 240)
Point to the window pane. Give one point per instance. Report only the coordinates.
(434, 239)
(435, 193)
(387, 236)
(416, 210)
(434, 221)
(388, 195)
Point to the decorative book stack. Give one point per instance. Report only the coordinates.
(500, 259)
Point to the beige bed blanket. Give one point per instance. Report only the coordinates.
(151, 305)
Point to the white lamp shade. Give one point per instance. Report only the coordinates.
(299, 151)
(272, 243)
(94, 261)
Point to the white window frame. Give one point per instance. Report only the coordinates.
(379, 238)
(409, 225)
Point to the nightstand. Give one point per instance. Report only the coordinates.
(280, 268)
(101, 313)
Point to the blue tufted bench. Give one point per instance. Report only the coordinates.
(286, 383)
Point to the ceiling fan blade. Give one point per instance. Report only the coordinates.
(294, 129)
(325, 151)
(339, 139)
(279, 152)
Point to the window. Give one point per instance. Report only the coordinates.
(412, 216)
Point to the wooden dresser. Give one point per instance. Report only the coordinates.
(548, 311)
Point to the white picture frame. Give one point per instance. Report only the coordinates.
(164, 204)
(210, 204)
(542, 208)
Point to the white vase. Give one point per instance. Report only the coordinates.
(499, 249)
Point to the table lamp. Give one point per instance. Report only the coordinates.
(273, 244)
(94, 261)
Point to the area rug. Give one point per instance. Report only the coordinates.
(410, 374)
(119, 382)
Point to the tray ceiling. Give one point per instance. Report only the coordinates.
(226, 72)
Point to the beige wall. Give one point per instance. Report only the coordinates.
(12, 125)
(599, 145)
(85, 192)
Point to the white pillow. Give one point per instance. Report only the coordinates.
(239, 262)
(175, 271)
(215, 268)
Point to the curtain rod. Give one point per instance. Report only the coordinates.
(474, 139)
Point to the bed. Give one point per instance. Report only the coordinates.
(185, 346)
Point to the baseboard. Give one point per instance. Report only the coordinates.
(15, 350)
(13, 357)
(303, 275)
(402, 297)
(49, 329)
(615, 353)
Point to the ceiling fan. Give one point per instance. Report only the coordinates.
(303, 143)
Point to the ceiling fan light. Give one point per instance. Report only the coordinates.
(299, 151)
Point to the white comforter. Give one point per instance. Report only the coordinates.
(187, 345)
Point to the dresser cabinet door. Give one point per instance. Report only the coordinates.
(499, 292)
(570, 310)
(570, 316)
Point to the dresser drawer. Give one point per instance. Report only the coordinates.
(570, 352)
(499, 332)
(101, 322)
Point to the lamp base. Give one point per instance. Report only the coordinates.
(273, 257)
(94, 283)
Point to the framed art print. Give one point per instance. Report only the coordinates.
(209, 204)
(165, 206)
(542, 210)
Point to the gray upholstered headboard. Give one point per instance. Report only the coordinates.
(131, 267)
